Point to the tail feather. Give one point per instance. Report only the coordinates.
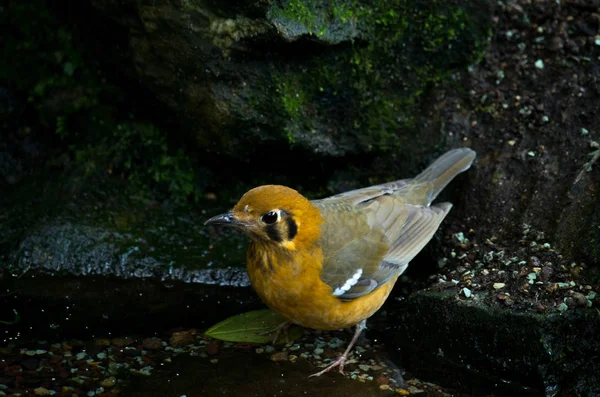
(444, 169)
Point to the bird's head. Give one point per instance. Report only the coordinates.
(274, 214)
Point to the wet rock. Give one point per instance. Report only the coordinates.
(560, 358)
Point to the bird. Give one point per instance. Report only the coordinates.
(331, 263)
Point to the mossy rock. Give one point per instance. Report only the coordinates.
(334, 77)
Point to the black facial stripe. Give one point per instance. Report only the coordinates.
(273, 233)
(292, 227)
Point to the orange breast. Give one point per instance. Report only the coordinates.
(290, 284)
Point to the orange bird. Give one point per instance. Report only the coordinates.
(331, 263)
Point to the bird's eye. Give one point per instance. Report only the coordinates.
(270, 217)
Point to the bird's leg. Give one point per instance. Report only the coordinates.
(282, 327)
(342, 359)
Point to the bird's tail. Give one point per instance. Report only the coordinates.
(444, 169)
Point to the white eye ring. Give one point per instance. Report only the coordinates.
(271, 217)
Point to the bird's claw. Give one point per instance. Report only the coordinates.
(341, 360)
(282, 327)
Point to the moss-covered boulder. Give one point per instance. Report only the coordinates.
(335, 77)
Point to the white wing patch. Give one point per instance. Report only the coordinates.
(348, 284)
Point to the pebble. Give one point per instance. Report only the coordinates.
(41, 391)
(108, 382)
(384, 387)
(212, 348)
(546, 273)
(122, 342)
(102, 342)
(181, 338)
(579, 298)
(152, 344)
(279, 356)
(259, 350)
(214, 361)
(499, 285)
(415, 390)
(403, 392)
(364, 367)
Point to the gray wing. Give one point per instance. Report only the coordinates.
(371, 234)
(368, 244)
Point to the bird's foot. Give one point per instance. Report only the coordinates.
(282, 327)
(341, 360)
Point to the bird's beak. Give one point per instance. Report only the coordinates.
(228, 219)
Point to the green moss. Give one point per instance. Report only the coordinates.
(371, 91)
(140, 152)
(44, 62)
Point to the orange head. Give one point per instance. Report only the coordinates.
(274, 214)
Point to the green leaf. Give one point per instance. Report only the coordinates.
(248, 327)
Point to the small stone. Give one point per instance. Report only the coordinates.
(539, 64)
(122, 342)
(212, 348)
(108, 382)
(384, 387)
(182, 338)
(382, 380)
(318, 351)
(102, 342)
(259, 350)
(214, 361)
(41, 391)
(403, 392)
(152, 344)
(579, 298)
(499, 285)
(546, 273)
(415, 390)
(279, 356)
(364, 367)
